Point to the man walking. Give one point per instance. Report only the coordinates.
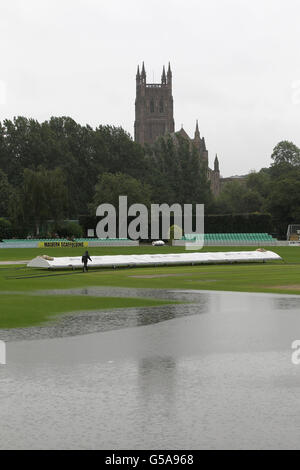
(84, 260)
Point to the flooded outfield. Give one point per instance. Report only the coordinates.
(215, 373)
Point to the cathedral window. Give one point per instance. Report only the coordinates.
(151, 106)
(161, 106)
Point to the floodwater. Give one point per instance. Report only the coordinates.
(212, 374)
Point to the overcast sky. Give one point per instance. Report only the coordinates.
(235, 63)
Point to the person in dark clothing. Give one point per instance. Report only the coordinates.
(84, 260)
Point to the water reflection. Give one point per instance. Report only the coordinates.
(240, 315)
(157, 386)
(286, 303)
(92, 321)
(213, 374)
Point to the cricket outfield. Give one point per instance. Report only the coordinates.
(25, 301)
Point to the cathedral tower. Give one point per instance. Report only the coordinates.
(153, 107)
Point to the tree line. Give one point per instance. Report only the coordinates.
(274, 190)
(59, 169)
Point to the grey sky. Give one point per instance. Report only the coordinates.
(235, 66)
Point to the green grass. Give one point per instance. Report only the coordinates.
(26, 309)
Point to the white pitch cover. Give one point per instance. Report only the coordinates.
(154, 260)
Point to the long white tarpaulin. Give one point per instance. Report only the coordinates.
(154, 260)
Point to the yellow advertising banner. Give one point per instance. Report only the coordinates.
(63, 244)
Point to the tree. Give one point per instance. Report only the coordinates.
(111, 186)
(176, 173)
(44, 196)
(252, 201)
(230, 200)
(286, 153)
(165, 172)
(284, 198)
(259, 182)
(5, 192)
(5, 229)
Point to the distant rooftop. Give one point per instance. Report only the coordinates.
(235, 177)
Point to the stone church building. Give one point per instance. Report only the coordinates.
(154, 118)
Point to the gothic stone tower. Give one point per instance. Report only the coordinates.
(153, 107)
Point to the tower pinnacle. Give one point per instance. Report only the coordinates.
(216, 164)
(163, 77)
(143, 74)
(197, 133)
(169, 75)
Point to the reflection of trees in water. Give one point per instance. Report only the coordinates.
(168, 312)
(129, 318)
(156, 315)
(157, 385)
(286, 303)
(126, 318)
